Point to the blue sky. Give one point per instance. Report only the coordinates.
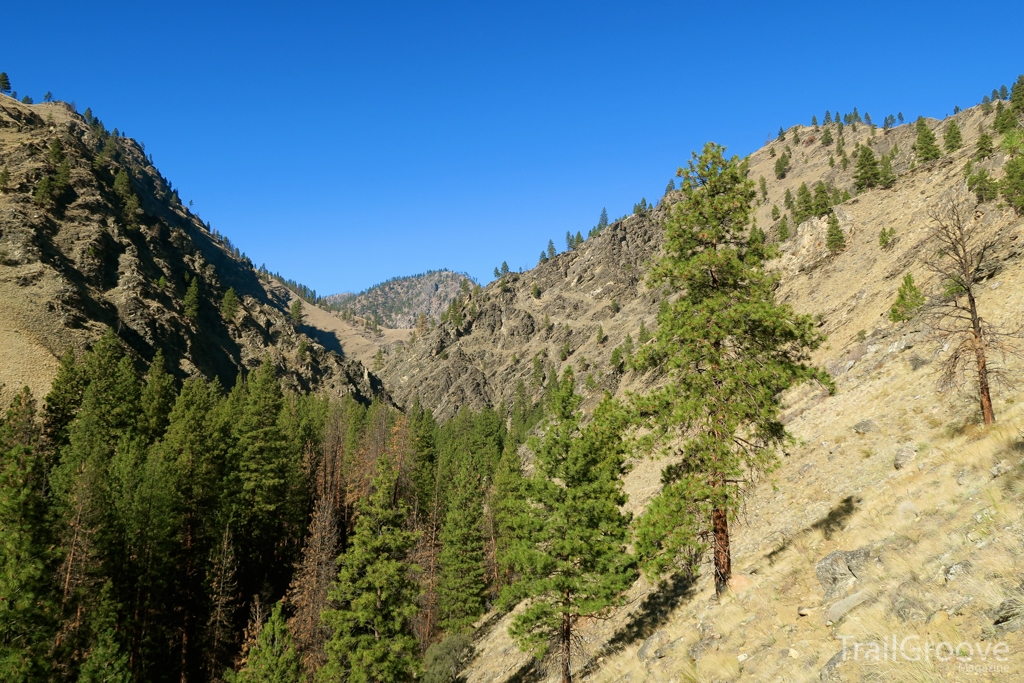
(342, 144)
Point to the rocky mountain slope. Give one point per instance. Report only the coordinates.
(893, 515)
(107, 244)
(398, 302)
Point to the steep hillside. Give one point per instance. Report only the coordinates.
(398, 302)
(892, 515)
(93, 237)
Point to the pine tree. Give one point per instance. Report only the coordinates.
(867, 173)
(952, 139)
(461, 584)
(5, 83)
(1017, 95)
(295, 312)
(725, 318)
(763, 187)
(784, 228)
(986, 147)
(925, 145)
(602, 222)
(826, 137)
(551, 249)
(372, 638)
(1005, 120)
(835, 240)
(572, 558)
(775, 212)
(886, 176)
(27, 609)
(804, 207)
(157, 398)
(229, 304)
(1012, 184)
(273, 658)
(908, 300)
(190, 304)
(782, 166)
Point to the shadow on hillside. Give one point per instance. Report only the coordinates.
(836, 518)
(531, 672)
(329, 340)
(653, 612)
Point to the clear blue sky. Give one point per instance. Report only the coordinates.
(343, 144)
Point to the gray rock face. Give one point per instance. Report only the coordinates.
(957, 571)
(649, 649)
(829, 673)
(1009, 616)
(837, 572)
(865, 426)
(904, 456)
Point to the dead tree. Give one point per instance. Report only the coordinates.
(957, 254)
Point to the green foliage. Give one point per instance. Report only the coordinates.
(1005, 120)
(273, 659)
(371, 629)
(886, 176)
(763, 187)
(551, 249)
(782, 134)
(909, 300)
(725, 318)
(775, 212)
(1012, 184)
(784, 228)
(886, 237)
(925, 146)
(229, 304)
(782, 166)
(600, 336)
(835, 240)
(535, 291)
(952, 139)
(443, 661)
(295, 312)
(867, 174)
(190, 304)
(5, 83)
(461, 586)
(787, 200)
(984, 186)
(1013, 142)
(826, 137)
(643, 336)
(572, 555)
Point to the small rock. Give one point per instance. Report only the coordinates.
(650, 646)
(836, 572)
(846, 605)
(865, 426)
(1000, 469)
(957, 570)
(907, 511)
(1009, 614)
(742, 657)
(904, 456)
(803, 611)
(793, 654)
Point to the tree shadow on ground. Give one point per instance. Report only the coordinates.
(836, 518)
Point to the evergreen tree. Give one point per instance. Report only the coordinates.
(782, 166)
(952, 139)
(826, 137)
(602, 222)
(804, 207)
(784, 228)
(229, 304)
(5, 83)
(1012, 184)
(984, 187)
(886, 176)
(295, 312)
(835, 240)
(1004, 121)
(157, 398)
(775, 212)
(986, 147)
(27, 609)
(725, 318)
(925, 145)
(190, 304)
(461, 585)
(908, 300)
(273, 658)
(372, 640)
(1017, 95)
(763, 186)
(551, 249)
(867, 173)
(822, 199)
(572, 558)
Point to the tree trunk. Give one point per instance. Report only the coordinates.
(987, 414)
(566, 647)
(723, 555)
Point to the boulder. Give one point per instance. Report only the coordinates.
(904, 456)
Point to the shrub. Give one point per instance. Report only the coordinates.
(908, 300)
